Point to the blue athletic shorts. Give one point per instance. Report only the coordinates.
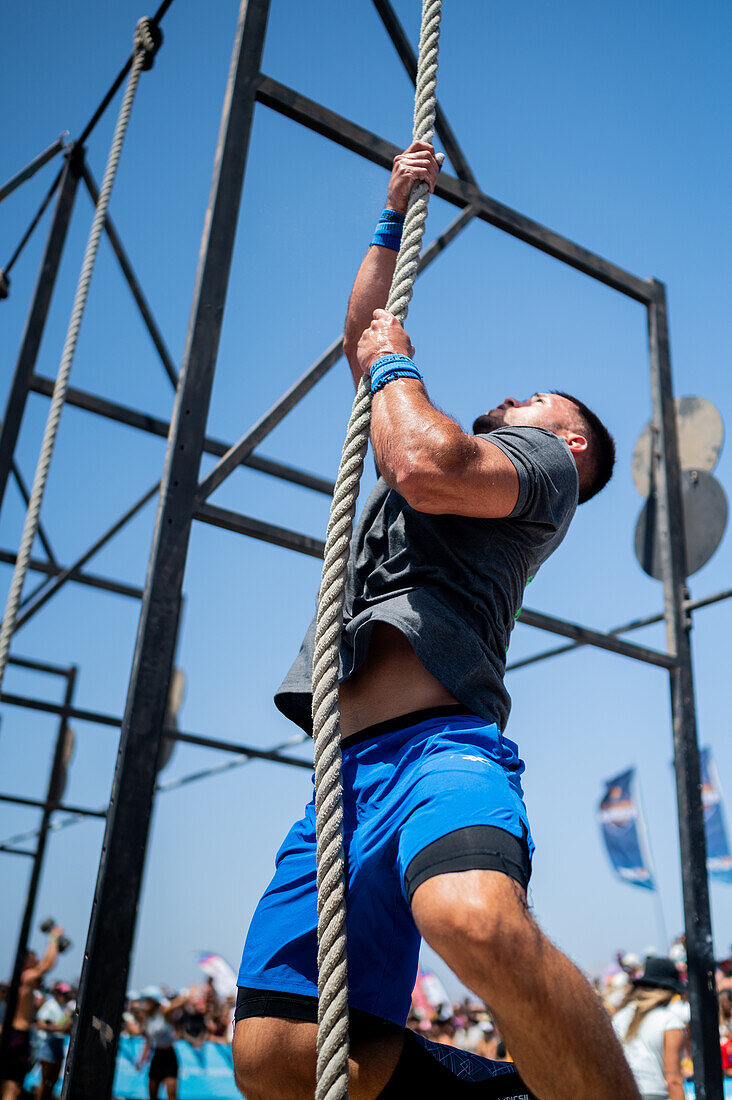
(404, 789)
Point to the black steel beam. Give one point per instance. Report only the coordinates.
(303, 544)
(99, 718)
(132, 281)
(91, 580)
(117, 83)
(239, 451)
(242, 450)
(241, 750)
(33, 167)
(52, 807)
(257, 529)
(36, 319)
(20, 247)
(17, 851)
(408, 58)
(41, 597)
(596, 638)
(24, 492)
(336, 128)
(123, 414)
(56, 781)
(91, 1060)
(39, 666)
(624, 628)
(708, 1078)
(76, 713)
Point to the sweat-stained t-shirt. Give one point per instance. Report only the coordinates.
(452, 585)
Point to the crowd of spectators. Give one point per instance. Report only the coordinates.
(199, 1015)
(202, 1016)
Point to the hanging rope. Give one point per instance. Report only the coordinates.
(332, 1068)
(147, 41)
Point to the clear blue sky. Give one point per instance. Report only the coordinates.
(608, 123)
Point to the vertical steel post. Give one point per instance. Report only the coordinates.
(708, 1081)
(36, 319)
(90, 1066)
(54, 793)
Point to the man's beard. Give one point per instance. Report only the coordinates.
(488, 422)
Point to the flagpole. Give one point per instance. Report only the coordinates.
(643, 828)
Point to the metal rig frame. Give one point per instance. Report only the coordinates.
(182, 499)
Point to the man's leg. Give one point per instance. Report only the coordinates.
(274, 1059)
(479, 923)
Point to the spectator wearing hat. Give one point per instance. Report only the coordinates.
(53, 1022)
(159, 1038)
(653, 1030)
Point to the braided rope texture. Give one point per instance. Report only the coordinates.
(332, 1065)
(145, 44)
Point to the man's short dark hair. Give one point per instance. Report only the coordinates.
(602, 448)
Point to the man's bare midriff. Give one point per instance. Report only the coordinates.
(25, 1013)
(390, 682)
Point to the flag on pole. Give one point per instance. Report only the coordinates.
(224, 978)
(719, 861)
(624, 832)
(429, 993)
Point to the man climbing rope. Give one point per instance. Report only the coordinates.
(436, 834)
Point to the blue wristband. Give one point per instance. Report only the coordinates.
(389, 367)
(388, 232)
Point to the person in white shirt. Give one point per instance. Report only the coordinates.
(53, 1022)
(653, 1030)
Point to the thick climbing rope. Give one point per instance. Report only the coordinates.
(332, 1066)
(147, 41)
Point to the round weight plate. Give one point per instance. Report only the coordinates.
(701, 436)
(705, 518)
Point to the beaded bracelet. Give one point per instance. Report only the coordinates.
(389, 367)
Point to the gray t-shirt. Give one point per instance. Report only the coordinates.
(452, 585)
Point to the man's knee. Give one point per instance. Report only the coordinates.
(468, 914)
(274, 1059)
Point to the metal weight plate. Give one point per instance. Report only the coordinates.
(705, 518)
(701, 436)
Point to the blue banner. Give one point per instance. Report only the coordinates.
(719, 861)
(623, 830)
(206, 1073)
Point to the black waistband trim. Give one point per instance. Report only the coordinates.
(403, 721)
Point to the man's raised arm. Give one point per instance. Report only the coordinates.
(49, 959)
(423, 454)
(373, 281)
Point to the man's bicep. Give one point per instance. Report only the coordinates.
(485, 487)
(492, 490)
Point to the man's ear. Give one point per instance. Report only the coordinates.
(576, 442)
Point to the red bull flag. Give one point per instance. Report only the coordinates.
(624, 832)
(719, 861)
